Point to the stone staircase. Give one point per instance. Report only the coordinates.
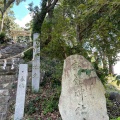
(7, 77)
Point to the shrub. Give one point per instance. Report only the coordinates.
(28, 55)
(2, 37)
(53, 71)
(31, 106)
(51, 104)
(116, 118)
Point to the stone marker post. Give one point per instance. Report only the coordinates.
(82, 96)
(36, 63)
(21, 91)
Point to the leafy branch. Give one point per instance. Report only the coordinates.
(87, 71)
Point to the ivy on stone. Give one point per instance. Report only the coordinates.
(87, 71)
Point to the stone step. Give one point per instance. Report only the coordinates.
(4, 92)
(4, 98)
(3, 116)
(6, 81)
(6, 85)
(7, 77)
(8, 73)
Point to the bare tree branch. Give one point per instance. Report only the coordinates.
(39, 17)
(51, 6)
(7, 4)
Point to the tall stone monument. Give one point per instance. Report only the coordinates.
(82, 96)
(36, 63)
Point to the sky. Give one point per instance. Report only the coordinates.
(117, 66)
(22, 13)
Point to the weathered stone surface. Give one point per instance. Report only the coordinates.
(4, 92)
(8, 75)
(7, 78)
(3, 108)
(2, 116)
(82, 96)
(13, 49)
(6, 81)
(21, 92)
(42, 75)
(4, 98)
(36, 64)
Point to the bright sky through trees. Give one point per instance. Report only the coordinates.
(22, 13)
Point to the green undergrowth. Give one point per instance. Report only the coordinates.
(113, 106)
(110, 88)
(116, 118)
(51, 104)
(43, 101)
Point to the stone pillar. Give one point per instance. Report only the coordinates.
(36, 63)
(21, 92)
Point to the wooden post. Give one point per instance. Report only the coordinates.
(36, 63)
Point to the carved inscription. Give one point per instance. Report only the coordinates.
(80, 110)
(89, 82)
(21, 84)
(76, 65)
(21, 92)
(79, 92)
(22, 79)
(34, 75)
(36, 63)
(35, 67)
(76, 80)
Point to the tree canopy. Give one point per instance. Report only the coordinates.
(4, 6)
(87, 27)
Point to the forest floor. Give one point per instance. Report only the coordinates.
(43, 105)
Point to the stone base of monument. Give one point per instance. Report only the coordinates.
(83, 95)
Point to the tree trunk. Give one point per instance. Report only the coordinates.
(50, 17)
(104, 60)
(2, 22)
(111, 71)
(78, 33)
